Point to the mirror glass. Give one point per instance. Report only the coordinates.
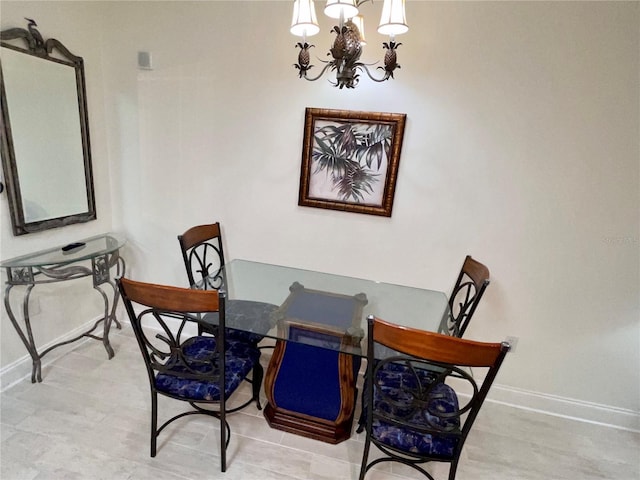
(46, 157)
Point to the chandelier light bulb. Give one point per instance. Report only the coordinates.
(393, 20)
(358, 20)
(341, 9)
(304, 22)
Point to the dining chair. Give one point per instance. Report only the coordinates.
(183, 367)
(413, 410)
(469, 288)
(470, 285)
(203, 255)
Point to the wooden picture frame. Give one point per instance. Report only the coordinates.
(350, 160)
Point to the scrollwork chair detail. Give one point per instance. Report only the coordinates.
(414, 416)
(203, 255)
(182, 367)
(469, 288)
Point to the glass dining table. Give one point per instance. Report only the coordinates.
(251, 281)
(319, 323)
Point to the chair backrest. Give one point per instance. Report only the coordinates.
(417, 375)
(203, 256)
(159, 326)
(470, 285)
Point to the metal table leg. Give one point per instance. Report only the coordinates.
(27, 338)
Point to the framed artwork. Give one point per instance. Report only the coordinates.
(350, 160)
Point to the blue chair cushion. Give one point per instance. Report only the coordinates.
(251, 319)
(396, 392)
(240, 358)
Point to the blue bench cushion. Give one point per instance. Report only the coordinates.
(308, 381)
(240, 358)
(407, 397)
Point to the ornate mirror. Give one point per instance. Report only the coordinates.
(46, 154)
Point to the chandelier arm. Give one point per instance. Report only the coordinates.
(324, 69)
(386, 76)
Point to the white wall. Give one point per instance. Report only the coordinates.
(521, 148)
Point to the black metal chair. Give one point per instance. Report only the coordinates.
(182, 367)
(470, 285)
(414, 415)
(203, 255)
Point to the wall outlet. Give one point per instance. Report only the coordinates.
(513, 341)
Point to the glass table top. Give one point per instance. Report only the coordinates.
(92, 247)
(323, 309)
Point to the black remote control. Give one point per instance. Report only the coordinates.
(72, 246)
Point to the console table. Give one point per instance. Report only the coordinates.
(61, 264)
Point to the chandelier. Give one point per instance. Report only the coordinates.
(347, 46)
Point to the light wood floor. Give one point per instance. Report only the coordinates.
(89, 419)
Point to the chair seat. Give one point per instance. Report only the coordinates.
(240, 358)
(413, 414)
(255, 319)
(401, 392)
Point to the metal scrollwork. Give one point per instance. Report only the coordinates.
(100, 267)
(64, 273)
(21, 276)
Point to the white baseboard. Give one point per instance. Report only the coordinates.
(566, 407)
(21, 368)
